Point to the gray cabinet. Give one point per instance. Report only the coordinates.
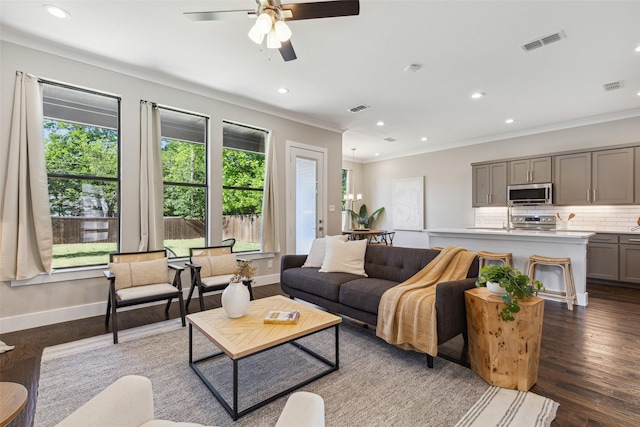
(637, 175)
(490, 184)
(599, 178)
(612, 177)
(572, 179)
(630, 258)
(602, 257)
(530, 171)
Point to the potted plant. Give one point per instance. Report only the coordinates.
(513, 286)
(362, 218)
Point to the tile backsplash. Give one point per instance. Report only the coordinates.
(591, 218)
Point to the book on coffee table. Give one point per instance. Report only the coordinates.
(282, 317)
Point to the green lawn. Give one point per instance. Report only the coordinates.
(82, 254)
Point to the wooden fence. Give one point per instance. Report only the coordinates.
(104, 230)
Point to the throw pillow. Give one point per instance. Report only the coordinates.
(345, 257)
(216, 265)
(318, 250)
(129, 274)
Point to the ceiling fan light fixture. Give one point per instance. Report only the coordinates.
(272, 41)
(264, 23)
(282, 31)
(255, 35)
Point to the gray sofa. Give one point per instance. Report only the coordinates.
(358, 297)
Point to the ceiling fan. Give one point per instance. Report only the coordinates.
(271, 15)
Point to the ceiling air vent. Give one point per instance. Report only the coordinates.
(608, 87)
(543, 41)
(389, 139)
(359, 108)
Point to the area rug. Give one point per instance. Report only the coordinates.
(377, 384)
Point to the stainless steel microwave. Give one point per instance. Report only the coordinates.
(530, 194)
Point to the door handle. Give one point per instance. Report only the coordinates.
(588, 195)
(594, 195)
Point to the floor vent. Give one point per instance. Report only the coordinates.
(359, 108)
(389, 139)
(608, 87)
(543, 41)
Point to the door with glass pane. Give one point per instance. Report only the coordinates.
(306, 198)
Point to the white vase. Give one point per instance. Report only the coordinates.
(235, 300)
(495, 288)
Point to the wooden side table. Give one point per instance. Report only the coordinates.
(504, 354)
(13, 397)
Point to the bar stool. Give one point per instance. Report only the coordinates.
(569, 294)
(506, 258)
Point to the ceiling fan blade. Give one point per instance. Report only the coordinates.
(287, 52)
(323, 9)
(222, 15)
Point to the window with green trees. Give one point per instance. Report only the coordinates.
(81, 139)
(243, 169)
(184, 171)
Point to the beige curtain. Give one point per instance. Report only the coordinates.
(151, 218)
(270, 233)
(25, 227)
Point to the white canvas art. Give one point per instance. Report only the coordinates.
(408, 203)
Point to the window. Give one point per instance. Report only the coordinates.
(81, 138)
(243, 167)
(184, 171)
(345, 186)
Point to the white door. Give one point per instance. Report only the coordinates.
(306, 196)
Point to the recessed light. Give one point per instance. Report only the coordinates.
(56, 11)
(380, 123)
(509, 121)
(638, 93)
(637, 49)
(424, 138)
(376, 154)
(283, 90)
(477, 95)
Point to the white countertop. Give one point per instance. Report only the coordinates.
(533, 235)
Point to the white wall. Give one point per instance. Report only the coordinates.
(448, 173)
(51, 302)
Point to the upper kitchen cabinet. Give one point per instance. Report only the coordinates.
(530, 171)
(490, 184)
(599, 178)
(572, 181)
(637, 176)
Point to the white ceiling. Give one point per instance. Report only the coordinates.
(462, 46)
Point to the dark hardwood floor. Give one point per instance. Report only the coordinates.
(589, 361)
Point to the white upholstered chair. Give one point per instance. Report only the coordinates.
(128, 402)
(138, 278)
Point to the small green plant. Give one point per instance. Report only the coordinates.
(516, 285)
(362, 218)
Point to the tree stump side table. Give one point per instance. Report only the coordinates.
(504, 354)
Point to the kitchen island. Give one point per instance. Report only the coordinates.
(522, 244)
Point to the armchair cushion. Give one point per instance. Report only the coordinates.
(136, 292)
(222, 279)
(131, 274)
(216, 265)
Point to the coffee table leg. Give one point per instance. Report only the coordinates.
(235, 389)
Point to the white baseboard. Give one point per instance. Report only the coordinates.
(66, 314)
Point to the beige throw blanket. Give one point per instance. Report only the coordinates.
(407, 315)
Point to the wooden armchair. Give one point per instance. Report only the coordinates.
(211, 270)
(138, 278)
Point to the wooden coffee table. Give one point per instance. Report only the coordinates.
(248, 335)
(13, 397)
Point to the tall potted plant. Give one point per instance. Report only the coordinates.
(362, 218)
(510, 284)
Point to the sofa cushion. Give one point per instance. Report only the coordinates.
(344, 257)
(395, 263)
(325, 285)
(318, 250)
(364, 294)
